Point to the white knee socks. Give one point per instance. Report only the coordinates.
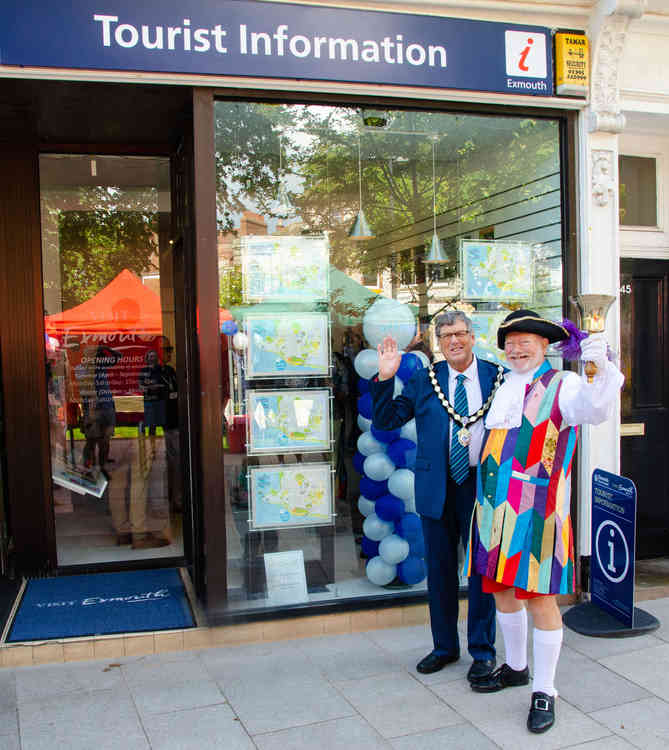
(514, 631)
(547, 644)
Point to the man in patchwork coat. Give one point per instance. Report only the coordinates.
(521, 540)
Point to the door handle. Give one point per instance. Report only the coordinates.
(633, 429)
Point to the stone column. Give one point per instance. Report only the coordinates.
(599, 126)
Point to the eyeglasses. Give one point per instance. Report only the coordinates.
(459, 335)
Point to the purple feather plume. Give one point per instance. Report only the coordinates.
(571, 348)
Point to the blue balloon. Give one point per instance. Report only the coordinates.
(402, 453)
(363, 386)
(385, 436)
(371, 489)
(229, 327)
(365, 405)
(409, 364)
(389, 508)
(358, 461)
(369, 547)
(410, 526)
(411, 570)
(417, 546)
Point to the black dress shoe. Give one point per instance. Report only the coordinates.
(542, 713)
(501, 678)
(434, 662)
(480, 669)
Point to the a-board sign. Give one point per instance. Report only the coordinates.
(613, 545)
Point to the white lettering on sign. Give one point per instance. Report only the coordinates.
(146, 596)
(277, 43)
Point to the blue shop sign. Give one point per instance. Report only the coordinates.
(277, 40)
(613, 545)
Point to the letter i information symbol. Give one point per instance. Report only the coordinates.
(525, 54)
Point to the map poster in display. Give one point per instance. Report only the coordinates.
(285, 269)
(496, 270)
(285, 345)
(286, 577)
(288, 495)
(485, 325)
(289, 421)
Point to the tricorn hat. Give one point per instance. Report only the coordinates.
(528, 321)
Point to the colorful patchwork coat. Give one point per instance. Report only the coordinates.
(521, 532)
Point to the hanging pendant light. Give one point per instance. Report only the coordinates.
(435, 254)
(284, 206)
(360, 229)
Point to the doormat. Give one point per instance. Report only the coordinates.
(101, 604)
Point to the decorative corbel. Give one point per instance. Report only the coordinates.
(607, 31)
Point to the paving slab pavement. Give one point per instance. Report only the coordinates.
(339, 692)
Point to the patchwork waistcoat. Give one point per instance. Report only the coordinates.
(521, 533)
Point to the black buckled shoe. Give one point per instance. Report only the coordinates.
(480, 669)
(433, 662)
(501, 678)
(542, 713)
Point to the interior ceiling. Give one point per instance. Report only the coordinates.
(90, 113)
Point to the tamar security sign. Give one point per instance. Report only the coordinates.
(613, 549)
(277, 40)
(572, 64)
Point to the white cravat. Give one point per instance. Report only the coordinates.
(580, 402)
(474, 402)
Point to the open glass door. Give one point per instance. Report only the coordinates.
(111, 358)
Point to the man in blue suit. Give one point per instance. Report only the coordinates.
(448, 401)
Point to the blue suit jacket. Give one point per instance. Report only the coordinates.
(419, 400)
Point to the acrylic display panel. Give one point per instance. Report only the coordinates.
(289, 421)
(283, 345)
(285, 269)
(290, 495)
(496, 270)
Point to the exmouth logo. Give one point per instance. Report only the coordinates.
(147, 596)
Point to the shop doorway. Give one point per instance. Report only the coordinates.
(644, 304)
(112, 353)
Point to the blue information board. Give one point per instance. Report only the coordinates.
(613, 545)
(278, 40)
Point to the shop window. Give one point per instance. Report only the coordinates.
(637, 191)
(112, 358)
(337, 201)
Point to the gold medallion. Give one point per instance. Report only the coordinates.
(464, 436)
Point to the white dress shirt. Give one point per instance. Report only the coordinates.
(580, 402)
(474, 403)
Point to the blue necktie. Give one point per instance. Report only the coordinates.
(459, 454)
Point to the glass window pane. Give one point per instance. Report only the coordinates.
(638, 191)
(112, 386)
(324, 222)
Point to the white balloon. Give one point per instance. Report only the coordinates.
(364, 424)
(376, 529)
(378, 466)
(366, 363)
(410, 505)
(388, 317)
(240, 340)
(401, 484)
(393, 549)
(409, 431)
(365, 506)
(398, 387)
(368, 444)
(379, 572)
(425, 360)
